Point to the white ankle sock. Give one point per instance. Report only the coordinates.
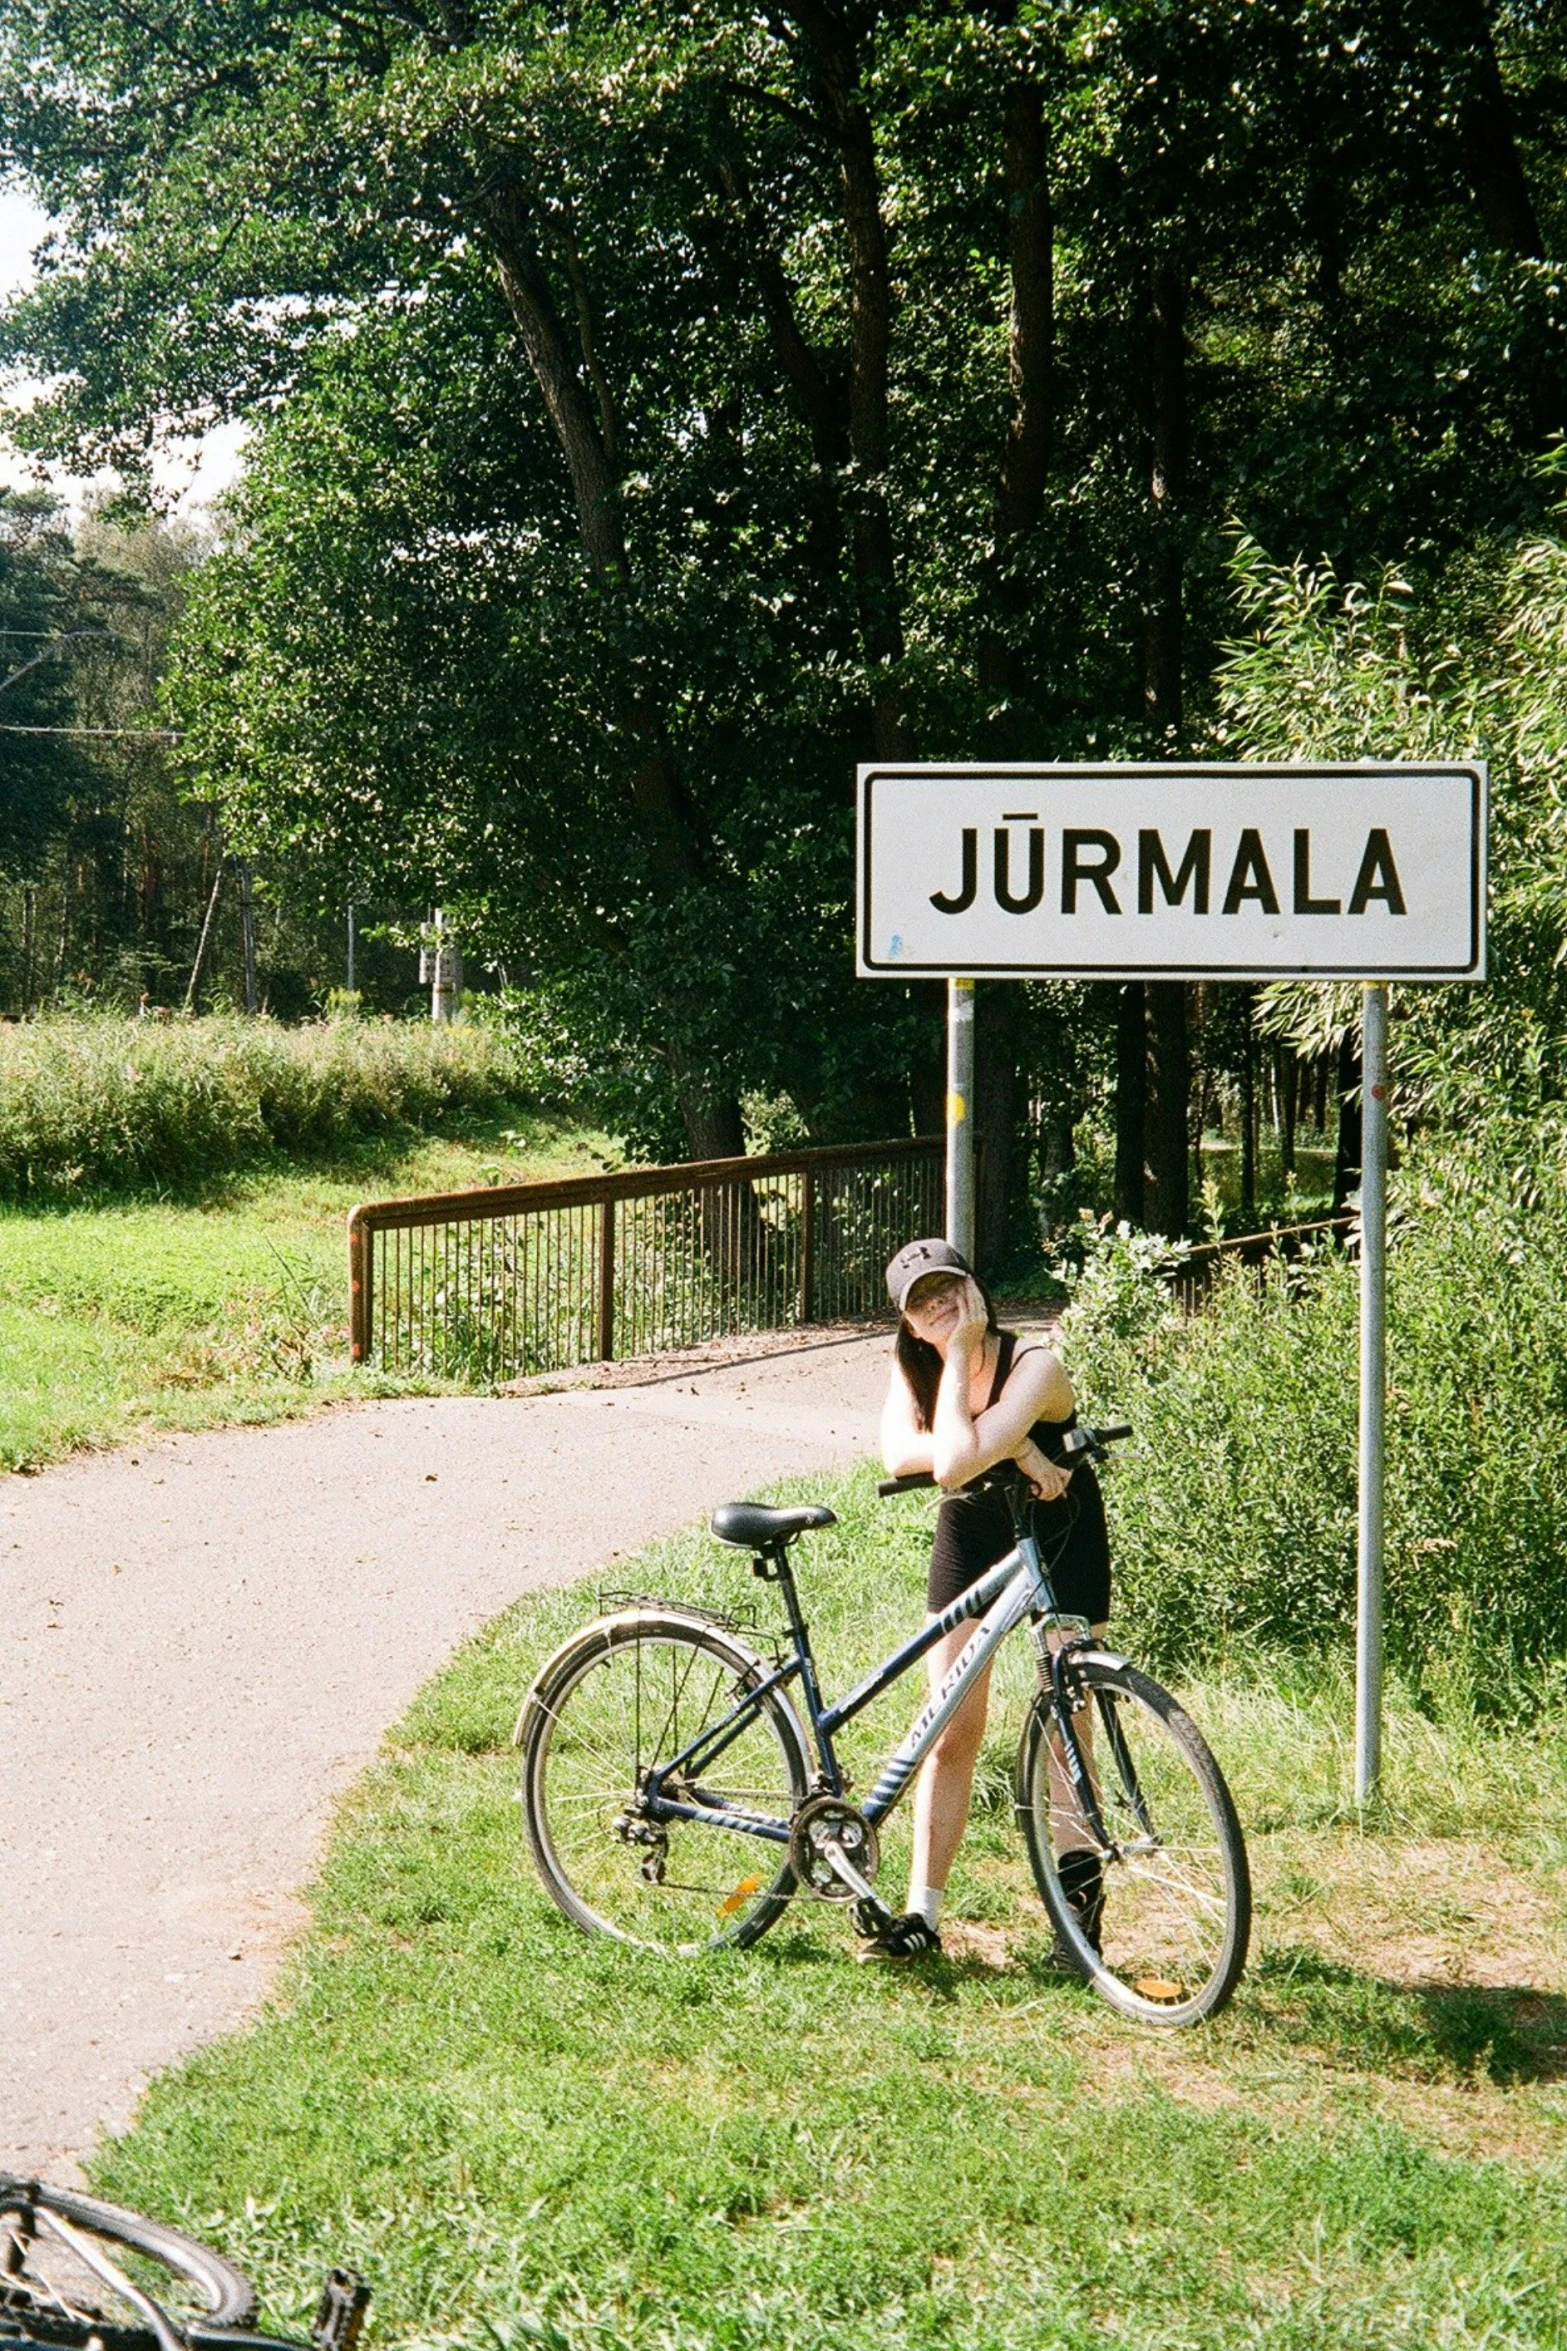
(926, 1900)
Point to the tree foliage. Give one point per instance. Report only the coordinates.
(660, 407)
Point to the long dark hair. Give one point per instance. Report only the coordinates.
(921, 1365)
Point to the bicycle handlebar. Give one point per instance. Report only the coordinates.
(1077, 1442)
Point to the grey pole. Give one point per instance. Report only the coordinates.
(351, 946)
(1373, 1389)
(960, 1123)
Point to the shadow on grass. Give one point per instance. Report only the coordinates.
(1506, 2034)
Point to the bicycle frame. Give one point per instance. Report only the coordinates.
(1016, 1587)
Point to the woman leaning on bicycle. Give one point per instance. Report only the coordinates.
(965, 1400)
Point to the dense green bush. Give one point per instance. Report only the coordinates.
(1234, 1514)
(92, 1104)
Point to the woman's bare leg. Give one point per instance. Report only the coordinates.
(946, 1781)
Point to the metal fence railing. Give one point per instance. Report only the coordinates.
(520, 1278)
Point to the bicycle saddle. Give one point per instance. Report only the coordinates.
(751, 1526)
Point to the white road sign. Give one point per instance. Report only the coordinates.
(1368, 872)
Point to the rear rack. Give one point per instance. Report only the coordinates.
(728, 1620)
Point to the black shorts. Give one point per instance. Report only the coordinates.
(974, 1530)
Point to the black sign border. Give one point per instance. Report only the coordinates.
(866, 967)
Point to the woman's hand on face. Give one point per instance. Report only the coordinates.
(973, 1321)
(1048, 1480)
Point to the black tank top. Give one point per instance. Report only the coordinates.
(974, 1525)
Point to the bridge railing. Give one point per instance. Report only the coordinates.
(513, 1279)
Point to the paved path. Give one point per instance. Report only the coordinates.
(202, 1642)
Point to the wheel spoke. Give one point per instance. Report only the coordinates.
(1175, 1900)
(670, 1884)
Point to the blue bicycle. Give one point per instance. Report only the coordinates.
(675, 1798)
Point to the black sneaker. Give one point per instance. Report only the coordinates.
(907, 1936)
(1081, 1877)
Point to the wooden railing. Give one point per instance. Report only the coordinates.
(513, 1279)
(1200, 1266)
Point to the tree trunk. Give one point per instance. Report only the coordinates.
(1346, 1169)
(995, 1106)
(1025, 461)
(846, 119)
(1057, 1141)
(1163, 644)
(1168, 1127)
(1131, 1101)
(1287, 1081)
(193, 991)
(1486, 138)
(996, 1093)
(1169, 1137)
(1488, 151)
(585, 432)
(713, 1124)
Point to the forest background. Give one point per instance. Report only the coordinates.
(655, 409)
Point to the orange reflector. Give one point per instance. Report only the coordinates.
(739, 1898)
(1154, 1987)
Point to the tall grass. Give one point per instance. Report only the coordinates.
(93, 1104)
(1233, 1517)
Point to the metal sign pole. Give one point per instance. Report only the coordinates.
(960, 1124)
(1373, 1390)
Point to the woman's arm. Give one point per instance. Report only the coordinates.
(964, 1443)
(905, 1447)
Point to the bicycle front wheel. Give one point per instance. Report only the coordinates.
(628, 1694)
(47, 2275)
(1156, 1916)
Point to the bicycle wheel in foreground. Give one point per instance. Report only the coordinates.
(39, 2269)
(1176, 1914)
(628, 1693)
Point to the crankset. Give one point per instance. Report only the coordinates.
(833, 1849)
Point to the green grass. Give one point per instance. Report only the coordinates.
(525, 2137)
(230, 1304)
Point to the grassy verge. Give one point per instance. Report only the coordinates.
(92, 1105)
(527, 2137)
(229, 1306)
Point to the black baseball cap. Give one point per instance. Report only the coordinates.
(914, 1261)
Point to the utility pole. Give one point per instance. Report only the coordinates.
(440, 969)
(960, 1116)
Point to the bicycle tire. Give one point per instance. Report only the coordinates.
(642, 1680)
(1174, 1931)
(224, 2294)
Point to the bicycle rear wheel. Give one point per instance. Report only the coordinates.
(1169, 1941)
(37, 2270)
(626, 1694)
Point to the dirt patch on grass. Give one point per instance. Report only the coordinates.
(1439, 1912)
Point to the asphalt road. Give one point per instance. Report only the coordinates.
(202, 1642)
